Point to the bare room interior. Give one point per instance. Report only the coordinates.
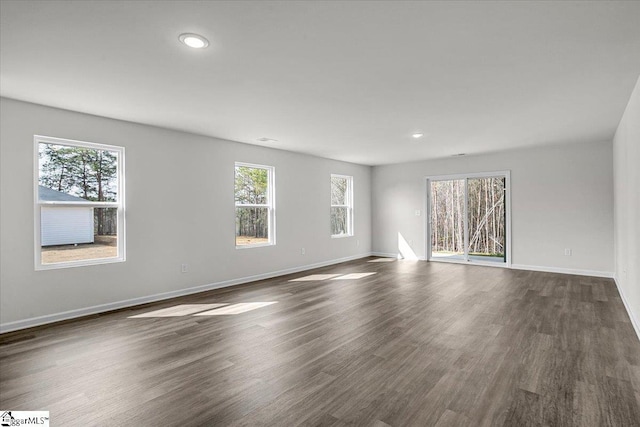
(320, 213)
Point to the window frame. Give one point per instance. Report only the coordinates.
(38, 205)
(349, 205)
(271, 205)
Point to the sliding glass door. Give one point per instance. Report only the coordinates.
(447, 219)
(469, 218)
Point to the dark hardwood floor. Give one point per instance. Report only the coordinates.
(415, 344)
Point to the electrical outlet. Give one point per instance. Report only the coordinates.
(567, 252)
(302, 251)
(418, 212)
(184, 268)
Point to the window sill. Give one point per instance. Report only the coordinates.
(257, 245)
(84, 263)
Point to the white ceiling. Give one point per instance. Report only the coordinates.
(344, 80)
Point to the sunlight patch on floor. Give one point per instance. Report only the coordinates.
(242, 307)
(383, 260)
(314, 277)
(178, 310)
(204, 309)
(352, 276)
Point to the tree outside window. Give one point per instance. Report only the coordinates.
(79, 202)
(341, 206)
(254, 205)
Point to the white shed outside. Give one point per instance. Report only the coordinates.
(64, 225)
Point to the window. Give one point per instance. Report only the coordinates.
(255, 213)
(79, 203)
(341, 206)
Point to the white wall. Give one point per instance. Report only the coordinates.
(626, 160)
(560, 198)
(179, 209)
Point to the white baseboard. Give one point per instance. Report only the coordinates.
(384, 254)
(72, 314)
(634, 321)
(592, 273)
(395, 256)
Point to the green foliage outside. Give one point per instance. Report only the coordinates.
(82, 172)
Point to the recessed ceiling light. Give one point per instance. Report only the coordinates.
(417, 135)
(195, 41)
(264, 139)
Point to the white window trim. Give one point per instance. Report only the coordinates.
(349, 199)
(271, 197)
(465, 176)
(38, 205)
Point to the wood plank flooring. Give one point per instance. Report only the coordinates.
(415, 344)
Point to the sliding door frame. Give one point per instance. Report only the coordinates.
(466, 177)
